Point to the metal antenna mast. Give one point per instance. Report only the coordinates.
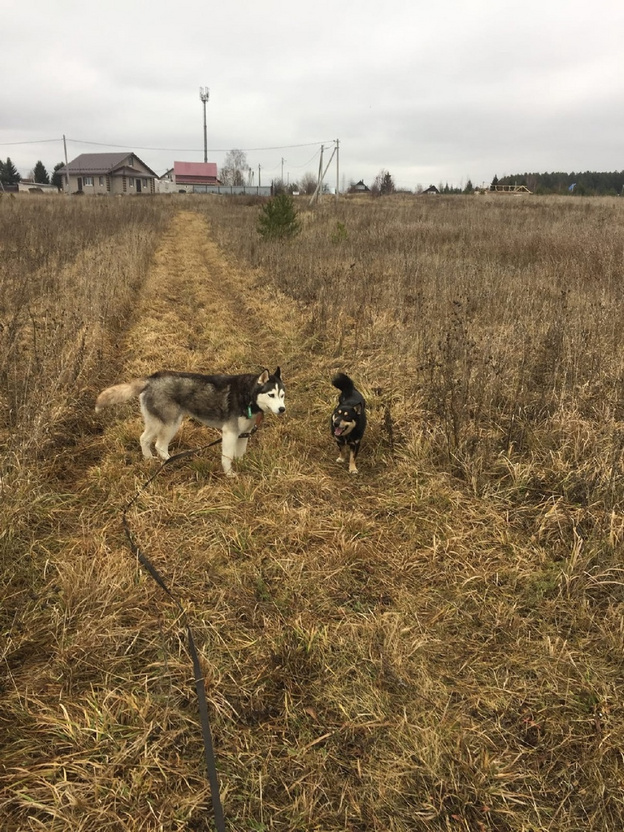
(204, 95)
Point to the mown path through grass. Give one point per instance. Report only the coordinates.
(365, 640)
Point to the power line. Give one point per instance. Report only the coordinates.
(40, 141)
(168, 149)
(311, 159)
(195, 149)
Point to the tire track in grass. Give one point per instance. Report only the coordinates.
(199, 312)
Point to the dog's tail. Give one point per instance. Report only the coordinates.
(120, 393)
(344, 383)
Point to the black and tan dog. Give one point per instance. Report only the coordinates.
(348, 421)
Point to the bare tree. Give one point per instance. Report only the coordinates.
(383, 184)
(278, 187)
(307, 183)
(235, 167)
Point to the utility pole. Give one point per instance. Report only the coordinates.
(319, 185)
(66, 164)
(337, 168)
(204, 95)
(259, 180)
(315, 195)
(282, 176)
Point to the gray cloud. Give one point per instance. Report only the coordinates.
(432, 92)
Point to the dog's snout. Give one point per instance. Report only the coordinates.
(282, 409)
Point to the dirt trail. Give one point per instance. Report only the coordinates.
(198, 312)
(292, 574)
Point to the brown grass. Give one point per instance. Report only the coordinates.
(435, 644)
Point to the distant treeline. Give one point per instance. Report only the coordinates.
(589, 183)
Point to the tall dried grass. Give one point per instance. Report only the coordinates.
(499, 319)
(70, 274)
(435, 645)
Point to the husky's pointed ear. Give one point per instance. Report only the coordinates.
(263, 377)
(277, 373)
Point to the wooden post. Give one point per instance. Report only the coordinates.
(337, 168)
(66, 165)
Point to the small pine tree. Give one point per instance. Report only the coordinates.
(387, 185)
(8, 173)
(57, 178)
(383, 184)
(41, 174)
(278, 218)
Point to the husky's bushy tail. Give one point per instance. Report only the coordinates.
(120, 393)
(344, 383)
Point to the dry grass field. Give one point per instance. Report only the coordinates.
(436, 644)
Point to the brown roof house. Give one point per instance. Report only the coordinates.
(108, 173)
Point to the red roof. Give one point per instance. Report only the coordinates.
(195, 172)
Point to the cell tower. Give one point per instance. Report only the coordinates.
(204, 95)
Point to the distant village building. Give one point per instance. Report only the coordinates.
(502, 189)
(360, 188)
(108, 174)
(184, 176)
(202, 178)
(510, 189)
(431, 190)
(30, 186)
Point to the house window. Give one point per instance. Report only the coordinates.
(88, 180)
(145, 183)
(131, 182)
(101, 181)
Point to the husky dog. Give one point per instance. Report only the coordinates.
(233, 404)
(348, 421)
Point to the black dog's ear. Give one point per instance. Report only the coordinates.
(277, 373)
(358, 408)
(263, 377)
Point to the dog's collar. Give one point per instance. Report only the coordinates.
(258, 419)
(254, 412)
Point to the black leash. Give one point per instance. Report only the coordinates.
(209, 754)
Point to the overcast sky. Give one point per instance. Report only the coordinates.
(433, 91)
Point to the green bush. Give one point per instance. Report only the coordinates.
(278, 218)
